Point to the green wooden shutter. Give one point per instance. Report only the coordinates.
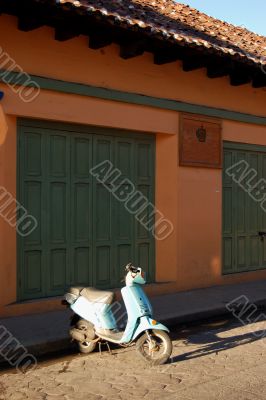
(85, 236)
(243, 217)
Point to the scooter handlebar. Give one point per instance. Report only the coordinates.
(130, 267)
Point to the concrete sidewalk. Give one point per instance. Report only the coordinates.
(48, 332)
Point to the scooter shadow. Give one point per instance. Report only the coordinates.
(210, 343)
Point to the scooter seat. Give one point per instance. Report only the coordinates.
(93, 295)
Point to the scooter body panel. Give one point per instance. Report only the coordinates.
(145, 323)
(99, 314)
(136, 301)
(137, 306)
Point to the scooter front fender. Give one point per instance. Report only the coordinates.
(147, 323)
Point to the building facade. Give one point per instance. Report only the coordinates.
(187, 142)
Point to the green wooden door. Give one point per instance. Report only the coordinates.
(85, 235)
(243, 217)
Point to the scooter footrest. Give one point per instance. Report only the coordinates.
(110, 335)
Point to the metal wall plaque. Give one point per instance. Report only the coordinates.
(200, 142)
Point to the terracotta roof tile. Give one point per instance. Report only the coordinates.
(178, 22)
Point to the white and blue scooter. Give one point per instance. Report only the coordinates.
(96, 321)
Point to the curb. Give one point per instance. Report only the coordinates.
(202, 316)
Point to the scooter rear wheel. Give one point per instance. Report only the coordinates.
(86, 347)
(156, 347)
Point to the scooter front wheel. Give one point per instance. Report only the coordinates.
(155, 346)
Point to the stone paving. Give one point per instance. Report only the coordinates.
(212, 363)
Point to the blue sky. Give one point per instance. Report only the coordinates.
(250, 13)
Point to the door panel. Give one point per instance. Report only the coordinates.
(57, 270)
(82, 260)
(33, 151)
(146, 217)
(243, 217)
(33, 273)
(85, 235)
(31, 193)
(103, 266)
(33, 201)
(80, 214)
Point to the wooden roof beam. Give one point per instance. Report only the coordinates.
(193, 62)
(218, 68)
(259, 80)
(238, 78)
(63, 33)
(98, 40)
(132, 48)
(165, 56)
(27, 23)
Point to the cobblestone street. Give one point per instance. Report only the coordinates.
(221, 360)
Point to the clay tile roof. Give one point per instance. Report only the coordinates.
(173, 21)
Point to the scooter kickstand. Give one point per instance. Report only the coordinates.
(100, 347)
(110, 351)
(108, 347)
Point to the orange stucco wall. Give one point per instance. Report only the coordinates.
(190, 197)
